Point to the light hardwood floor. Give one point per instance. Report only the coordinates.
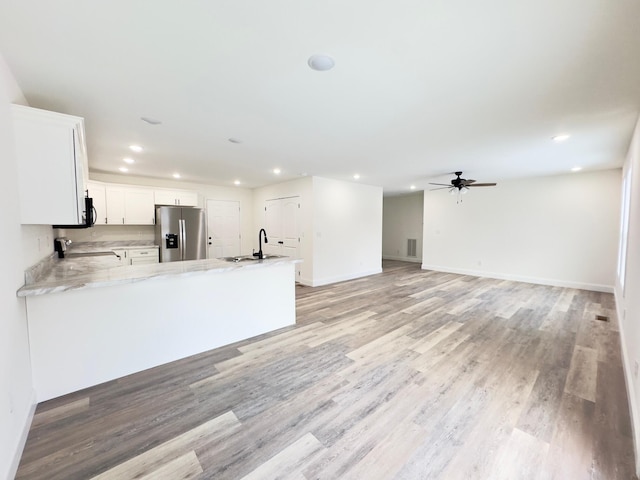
(409, 374)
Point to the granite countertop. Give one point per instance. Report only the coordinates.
(59, 275)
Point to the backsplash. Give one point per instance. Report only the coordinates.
(108, 233)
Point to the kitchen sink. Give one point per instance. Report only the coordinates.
(251, 258)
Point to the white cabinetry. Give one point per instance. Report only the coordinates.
(115, 205)
(138, 256)
(138, 206)
(184, 198)
(52, 166)
(97, 191)
(129, 205)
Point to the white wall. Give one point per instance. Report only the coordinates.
(402, 218)
(17, 400)
(302, 188)
(560, 230)
(347, 230)
(340, 227)
(628, 299)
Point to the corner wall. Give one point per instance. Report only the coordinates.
(17, 400)
(347, 230)
(302, 188)
(628, 299)
(560, 230)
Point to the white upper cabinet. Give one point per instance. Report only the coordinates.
(138, 206)
(183, 198)
(129, 205)
(52, 166)
(97, 191)
(115, 205)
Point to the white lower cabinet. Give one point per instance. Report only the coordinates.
(137, 256)
(122, 253)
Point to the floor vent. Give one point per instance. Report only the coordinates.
(411, 247)
(602, 318)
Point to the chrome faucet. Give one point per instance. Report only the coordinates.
(259, 253)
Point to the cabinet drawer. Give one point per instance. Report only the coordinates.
(143, 253)
(143, 260)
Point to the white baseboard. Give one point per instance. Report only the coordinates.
(628, 382)
(519, 278)
(402, 259)
(17, 455)
(343, 278)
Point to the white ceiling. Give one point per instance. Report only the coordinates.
(419, 89)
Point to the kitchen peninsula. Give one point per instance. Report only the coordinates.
(104, 323)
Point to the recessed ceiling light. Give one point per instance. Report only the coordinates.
(276, 171)
(321, 62)
(235, 140)
(356, 176)
(576, 169)
(151, 121)
(237, 182)
(412, 187)
(123, 169)
(176, 175)
(128, 160)
(136, 148)
(560, 138)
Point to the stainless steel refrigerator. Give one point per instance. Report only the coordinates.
(181, 233)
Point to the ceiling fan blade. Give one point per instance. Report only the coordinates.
(441, 184)
(483, 185)
(469, 181)
(441, 188)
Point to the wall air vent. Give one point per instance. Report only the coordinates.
(412, 247)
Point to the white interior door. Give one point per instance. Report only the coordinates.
(290, 245)
(281, 224)
(223, 228)
(273, 226)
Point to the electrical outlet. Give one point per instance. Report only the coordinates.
(636, 366)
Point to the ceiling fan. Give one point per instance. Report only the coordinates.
(461, 185)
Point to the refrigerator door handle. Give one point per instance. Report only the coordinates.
(183, 238)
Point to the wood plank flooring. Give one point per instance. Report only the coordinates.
(408, 374)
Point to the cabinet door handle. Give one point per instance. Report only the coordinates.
(123, 220)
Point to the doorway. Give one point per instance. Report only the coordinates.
(223, 228)
(281, 224)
